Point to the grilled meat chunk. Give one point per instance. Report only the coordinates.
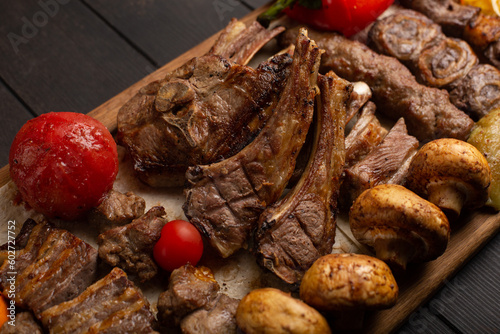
(386, 163)
(360, 95)
(204, 111)
(221, 319)
(428, 111)
(225, 199)
(189, 289)
(117, 209)
(130, 247)
(365, 135)
(25, 324)
(298, 229)
(54, 263)
(111, 305)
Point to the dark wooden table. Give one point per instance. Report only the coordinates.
(71, 55)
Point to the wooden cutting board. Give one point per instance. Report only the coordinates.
(418, 283)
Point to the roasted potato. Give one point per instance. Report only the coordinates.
(270, 310)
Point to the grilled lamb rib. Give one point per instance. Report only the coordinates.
(53, 267)
(224, 199)
(298, 229)
(130, 247)
(204, 111)
(428, 111)
(111, 305)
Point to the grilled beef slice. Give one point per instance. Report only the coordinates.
(225, 199)
(298, 229)
(53, 267)
(111, 305)
(364, 136)
(387, 163)
(428, 112)
(204, 111)
(130, 247)
(117, 209)
(25, 324)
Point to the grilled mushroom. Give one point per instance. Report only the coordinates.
(348, 284)
(451, 174)
(399, 225)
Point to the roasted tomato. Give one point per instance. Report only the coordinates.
(63, 163)
(346, 16)
(180, 243)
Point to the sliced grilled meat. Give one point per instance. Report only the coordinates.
(25, 324)
(225, 199)
(130, 247)
(428, 111)
(360, 95)
(111, 305)
(117, 209)
(365, 135)
(386, 163)
(53, 267)
(204, 111)
(189, 289)
(298, 229)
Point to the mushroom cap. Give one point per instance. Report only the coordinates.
(449, 162)
(339, 282)
(417, 229)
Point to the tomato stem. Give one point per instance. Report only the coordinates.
(265, 18)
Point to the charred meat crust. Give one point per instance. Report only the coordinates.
(297, 230)
(224, 200)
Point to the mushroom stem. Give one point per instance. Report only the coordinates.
(448, 198)
(394, 251)
(348, 320)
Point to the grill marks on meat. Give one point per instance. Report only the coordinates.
(55, 264)
(130, 247)
(193, 301)
(224, 200)
(111, 305)
(297, 230)
(387, 163)
(204, 111)
(443, 62)
(428, 111)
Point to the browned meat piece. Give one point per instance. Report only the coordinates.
(360, 95)
(387, 163)
(450, 14)
(492, 53)
(365, 135)
(428, 111)
(482, 31)
(298, 229)
(117, 209)
(224, 200)
(54, 263)
(478, 93)
(25, 324)
(19, 242)
(221, 319)
(189, 289)
(204, 111)
(111, 305)
(130, 247)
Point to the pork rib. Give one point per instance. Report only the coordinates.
(224, 199)
(295, 231)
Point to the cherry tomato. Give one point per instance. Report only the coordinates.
(180, 243)
(63, 163)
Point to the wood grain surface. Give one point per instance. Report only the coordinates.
(417, 285)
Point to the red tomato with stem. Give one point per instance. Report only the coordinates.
(63, 163)
(180, 243)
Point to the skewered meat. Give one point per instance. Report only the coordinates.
(111, 305)
(204, 111)
(295, 231)
(54, 263)
(387, 163)
(365, 135)
(443, 62)
(117, 209)
(428, 111)
(224, 200)
(25, 324)
(130, 247)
